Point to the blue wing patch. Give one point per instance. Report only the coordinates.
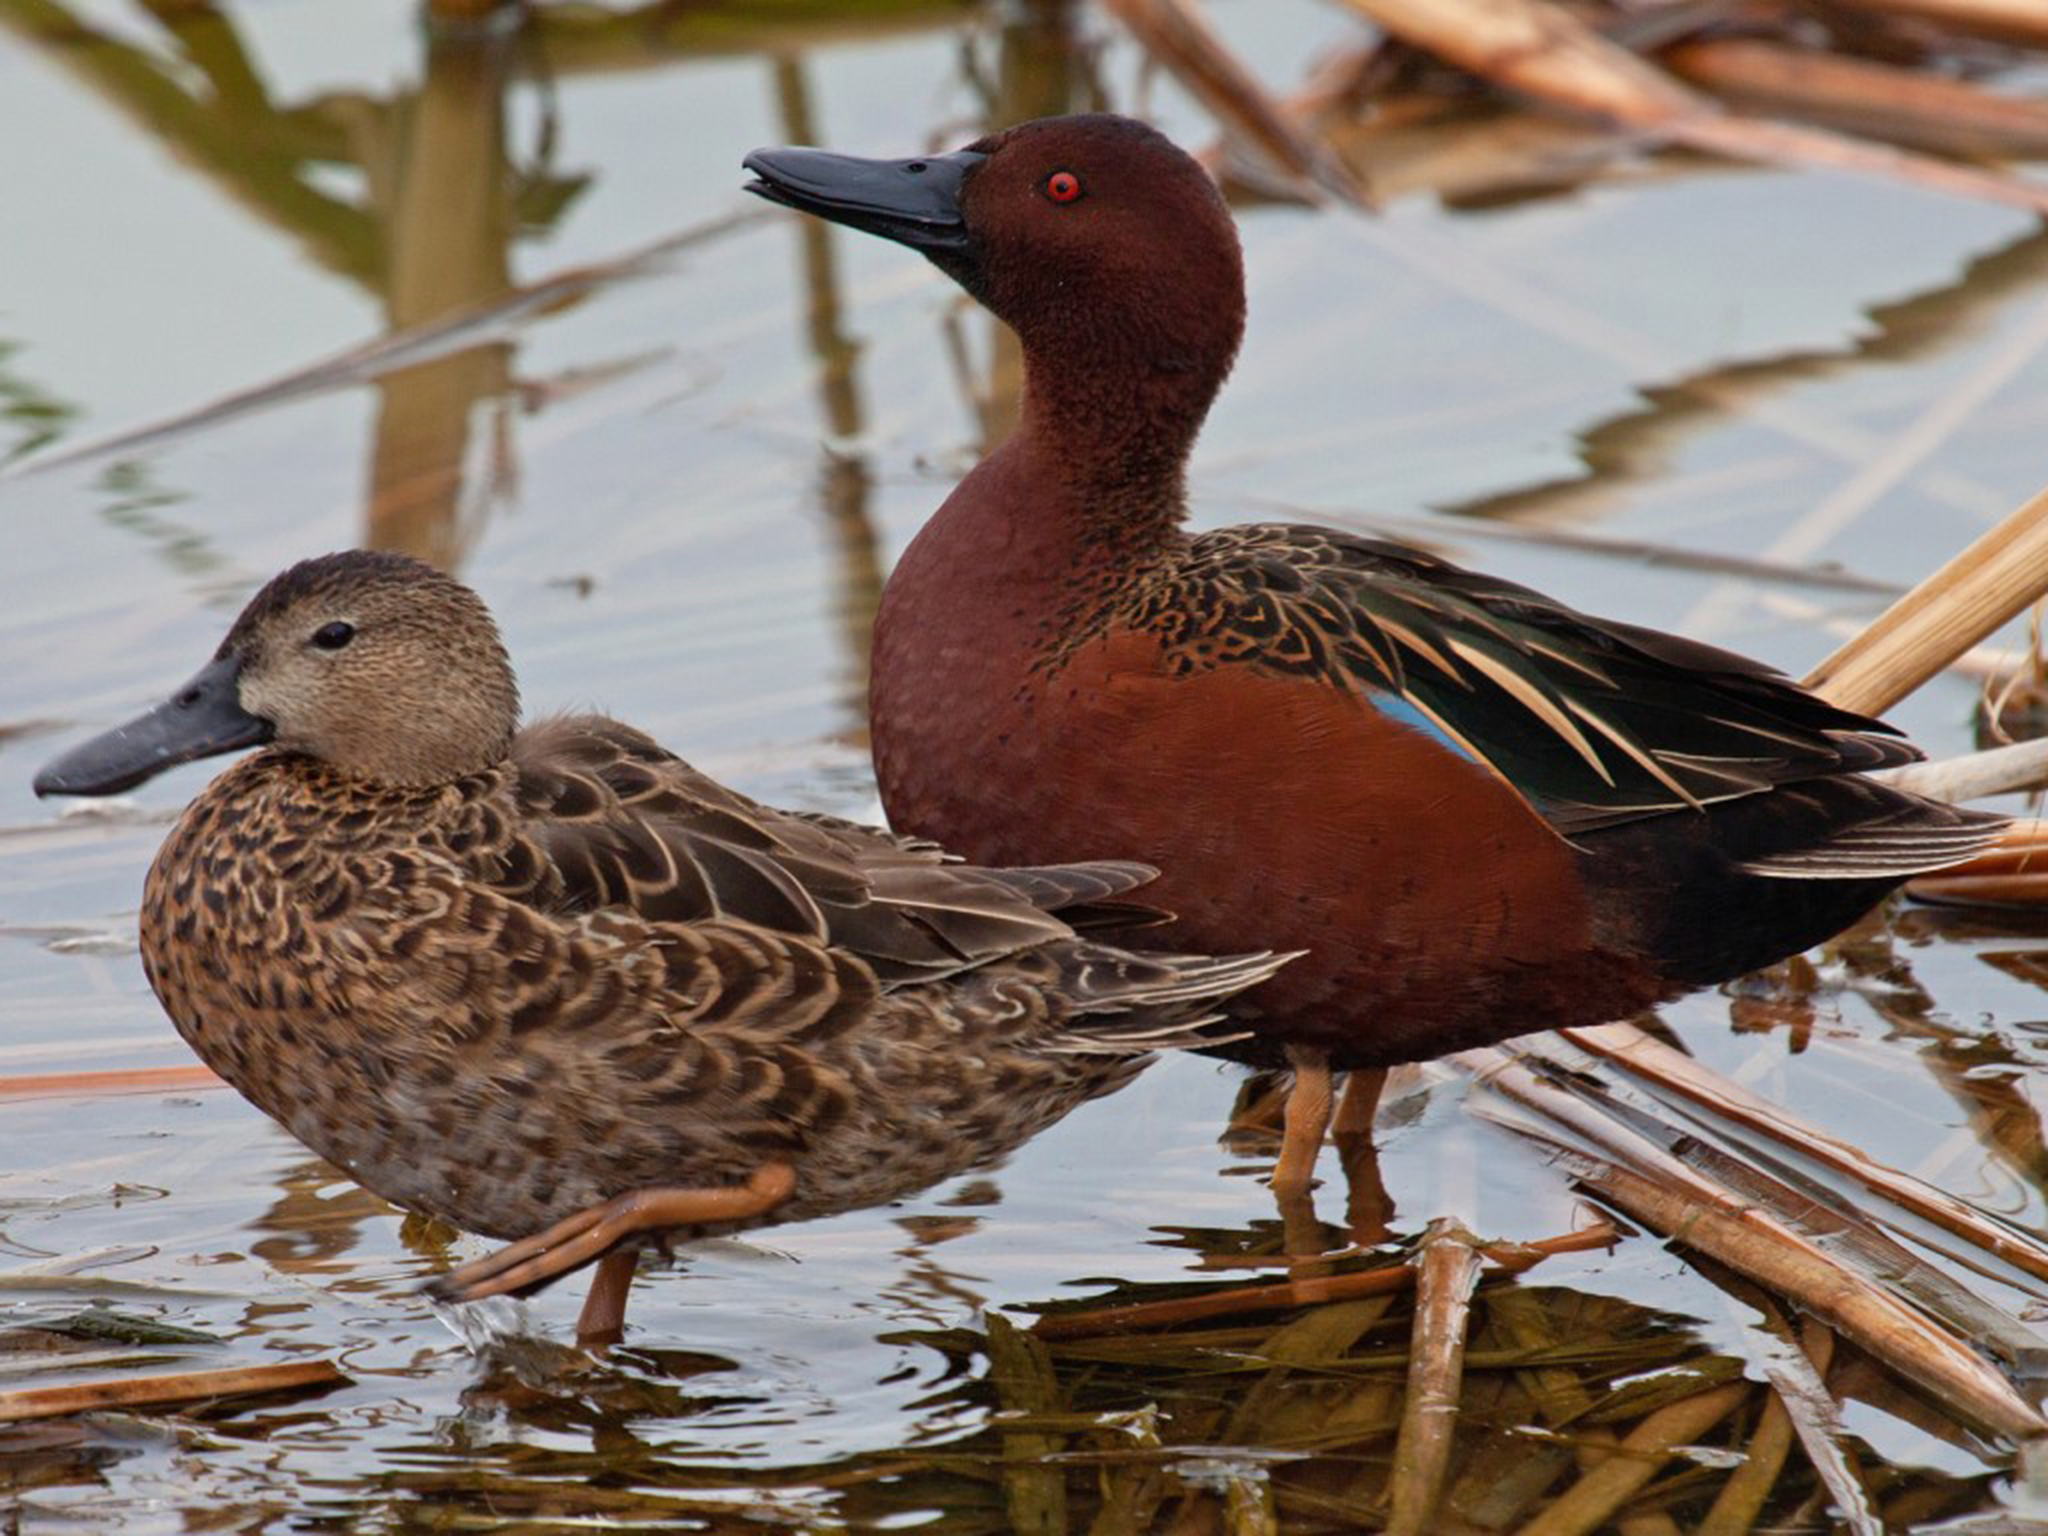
(1394, 707)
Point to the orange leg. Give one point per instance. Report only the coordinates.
(1368, 1208)
(592, 1234)
(1360, 1103)
(1308, 1117)
(603, 1318)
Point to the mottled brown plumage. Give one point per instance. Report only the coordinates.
(502, 977)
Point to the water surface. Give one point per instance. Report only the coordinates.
(677, 471)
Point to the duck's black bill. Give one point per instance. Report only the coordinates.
(915, 202)
(201, 719)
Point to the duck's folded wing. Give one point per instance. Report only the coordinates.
(643, 1024)
(608, 819)
(1592, 722)
(1118, 1001)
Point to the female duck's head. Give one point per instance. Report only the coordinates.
(1104, 246)
(376, 664)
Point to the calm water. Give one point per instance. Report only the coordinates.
(677, 472)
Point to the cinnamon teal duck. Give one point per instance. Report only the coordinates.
(1480, 811)
(553, 984)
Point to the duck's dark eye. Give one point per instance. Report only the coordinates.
(1063, 187)
(332, 637)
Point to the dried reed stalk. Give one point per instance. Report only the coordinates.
(1248, 1508)
(1592, 1500)
(1279, 1295)
(1973, 775)
(2022, 20)
(1675, 1199)
(163, 1391)
(1741, 1496)
(1034, 1492)
(1539, 50)
(1177, 35)
(1447, 1270)
(2014, 872)
(1426, 143)
(1800, 1377)
(466, 327)
(1841, 1230)
(64, 1085)
(2000, 573)
(1796, 146)
(1656, 1062)
(1544, 51)
(1930, 111)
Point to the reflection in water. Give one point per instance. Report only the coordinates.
(431, 234)
(844, 473)
(317, 1218)
(1987, 1074)
(29, 415)
(134, 503)
(447, 200)
(1639, 446)
(1044, 67)
(1253, 1421)
(929, 1291)
(204, 101)
(1041, 70)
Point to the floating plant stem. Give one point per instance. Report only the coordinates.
(1447, 1269)
(93, 1085)
(2000, 573)
(1590, 1502)
(168, 1390)
(1656, 1062)
(1509, 1258)
(1675, 1199)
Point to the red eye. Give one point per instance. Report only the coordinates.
(1063, 187)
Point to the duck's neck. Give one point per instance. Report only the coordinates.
(1108, 445)
(1088, 492)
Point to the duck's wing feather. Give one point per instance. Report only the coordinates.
(759, 1038)
(1084, 895)
(607, 818)
(1592, 722)
(646, 1029)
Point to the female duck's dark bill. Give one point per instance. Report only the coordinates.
(202, 719)
(916, 202)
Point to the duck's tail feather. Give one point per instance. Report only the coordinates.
(1911, 842)
(1060, 887)
(1123, 1001)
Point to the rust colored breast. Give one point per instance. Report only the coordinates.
(1437, 909)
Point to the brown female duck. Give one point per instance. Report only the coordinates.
(553, 984)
